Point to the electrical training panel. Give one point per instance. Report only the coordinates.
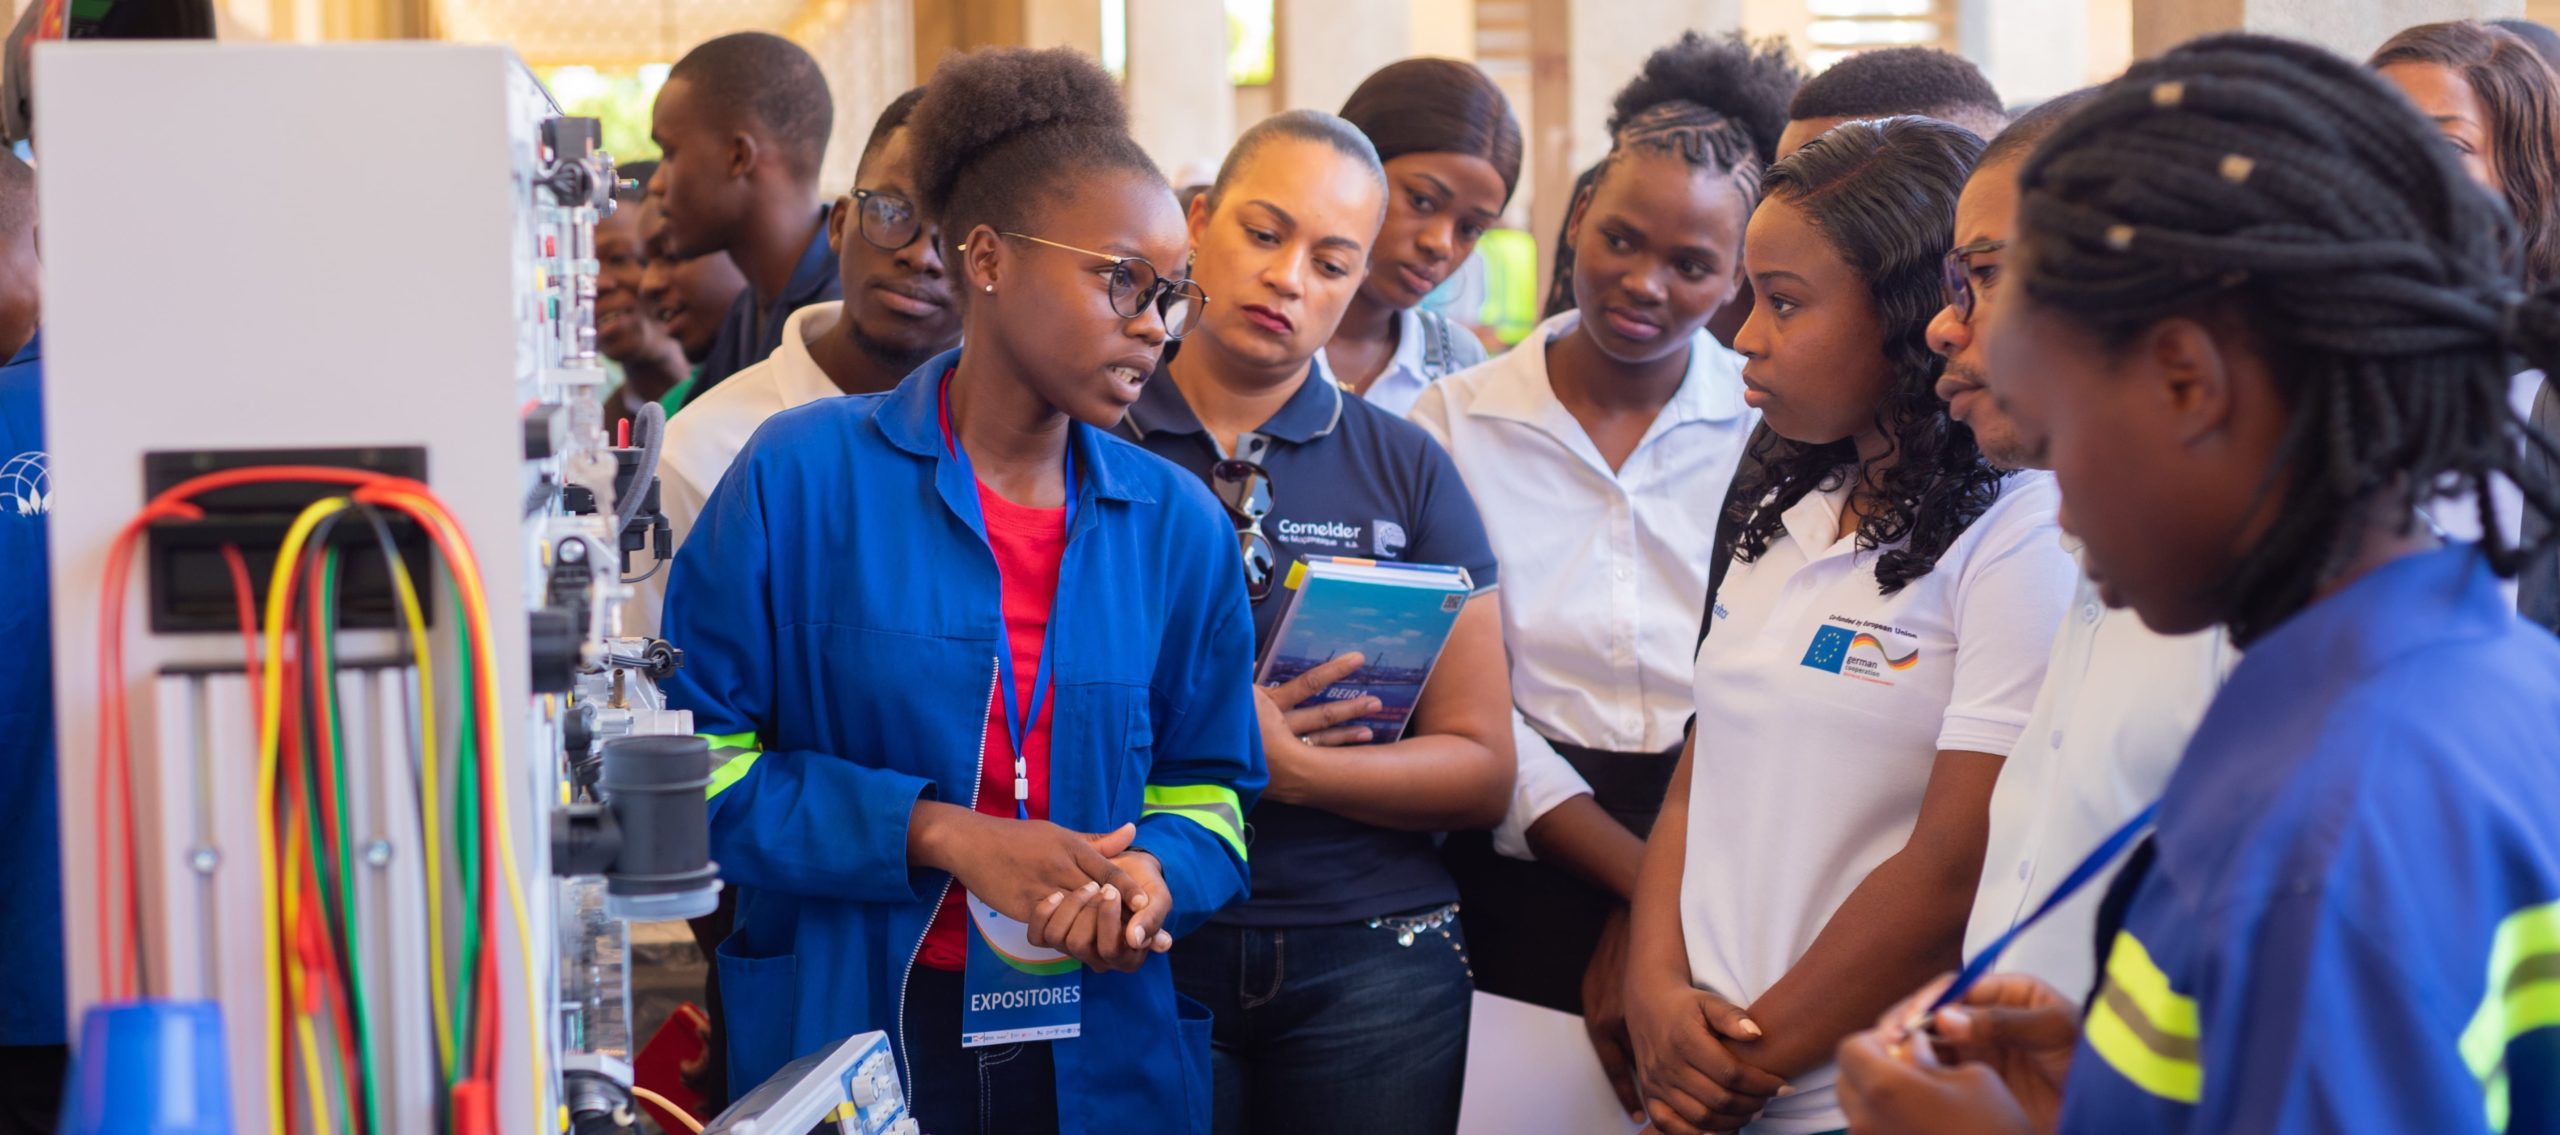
(380, 778)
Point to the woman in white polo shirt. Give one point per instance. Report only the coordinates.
(1871, 656)
(1624, 414)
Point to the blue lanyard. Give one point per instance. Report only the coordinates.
(2080, 876)
(1016, 715)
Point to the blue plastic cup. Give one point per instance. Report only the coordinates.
(150, 1068)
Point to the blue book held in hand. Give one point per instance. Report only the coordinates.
(1396, 616)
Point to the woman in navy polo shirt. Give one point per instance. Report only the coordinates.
(1871, 655)
(1341, 987)
(956, 638)
(2348, 915)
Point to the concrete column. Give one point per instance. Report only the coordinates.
(942, 27)
(2353, 30)
(1063, 23)
(1327, 46)
(1180, 104)
(1580, 53)
(862, 47)
(1447, 28)
(2031, 50)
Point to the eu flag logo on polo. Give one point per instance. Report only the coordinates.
(1829, 649)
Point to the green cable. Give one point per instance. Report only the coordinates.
(466, 849)
(315, 670)
(361, 1018)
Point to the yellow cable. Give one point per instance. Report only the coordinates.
(270, 720)
(682, 1116)
(415, 615)
(476, 601)
(312, 1085)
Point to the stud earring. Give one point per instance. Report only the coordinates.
(991, 288)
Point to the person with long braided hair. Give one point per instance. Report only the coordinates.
(1626, 408)
(1869, 659)
(2256, 314)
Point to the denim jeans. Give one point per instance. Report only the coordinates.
(1008, 1089)
(1333, 1028)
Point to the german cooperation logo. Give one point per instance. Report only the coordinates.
(1844, 650)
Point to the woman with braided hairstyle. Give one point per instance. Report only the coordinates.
(1623, 407)
(2257, 312)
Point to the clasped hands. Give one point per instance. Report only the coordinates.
(1692, 1050)
(1090, 897)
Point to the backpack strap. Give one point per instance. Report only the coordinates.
(1437, 357)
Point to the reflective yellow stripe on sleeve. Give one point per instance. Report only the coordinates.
(2523, 995)
(1212, 806)
(2143, 1029)
(732, 754)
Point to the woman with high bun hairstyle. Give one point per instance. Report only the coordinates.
(1624, 412)
(2257, 312)
(972, 664)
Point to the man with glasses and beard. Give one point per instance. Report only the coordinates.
(2119, 700)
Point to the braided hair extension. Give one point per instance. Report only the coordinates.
(2269, 185)
(1719, 103)
(1883, 193)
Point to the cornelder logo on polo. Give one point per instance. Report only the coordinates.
(1390, 539)
(1321, 533)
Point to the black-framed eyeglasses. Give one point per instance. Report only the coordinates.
(1955, 275)
(1136, 285)
(887, 220)
(1245, 488)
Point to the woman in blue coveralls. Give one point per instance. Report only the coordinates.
(2264, 316)
(956, 639)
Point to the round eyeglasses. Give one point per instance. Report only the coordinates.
(1955, 275)
(888, 221)
(1136, 285)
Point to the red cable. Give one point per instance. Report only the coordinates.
(114, 784)
(486, 1042)
(322, 671)
(324, 840)
(246, 594)
(115, 802)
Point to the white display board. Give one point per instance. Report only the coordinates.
(261, 247)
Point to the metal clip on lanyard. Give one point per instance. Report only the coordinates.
(2090, 868)
(1017, 717)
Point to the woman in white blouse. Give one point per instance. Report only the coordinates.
(1589, 449)
(1871, 656)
